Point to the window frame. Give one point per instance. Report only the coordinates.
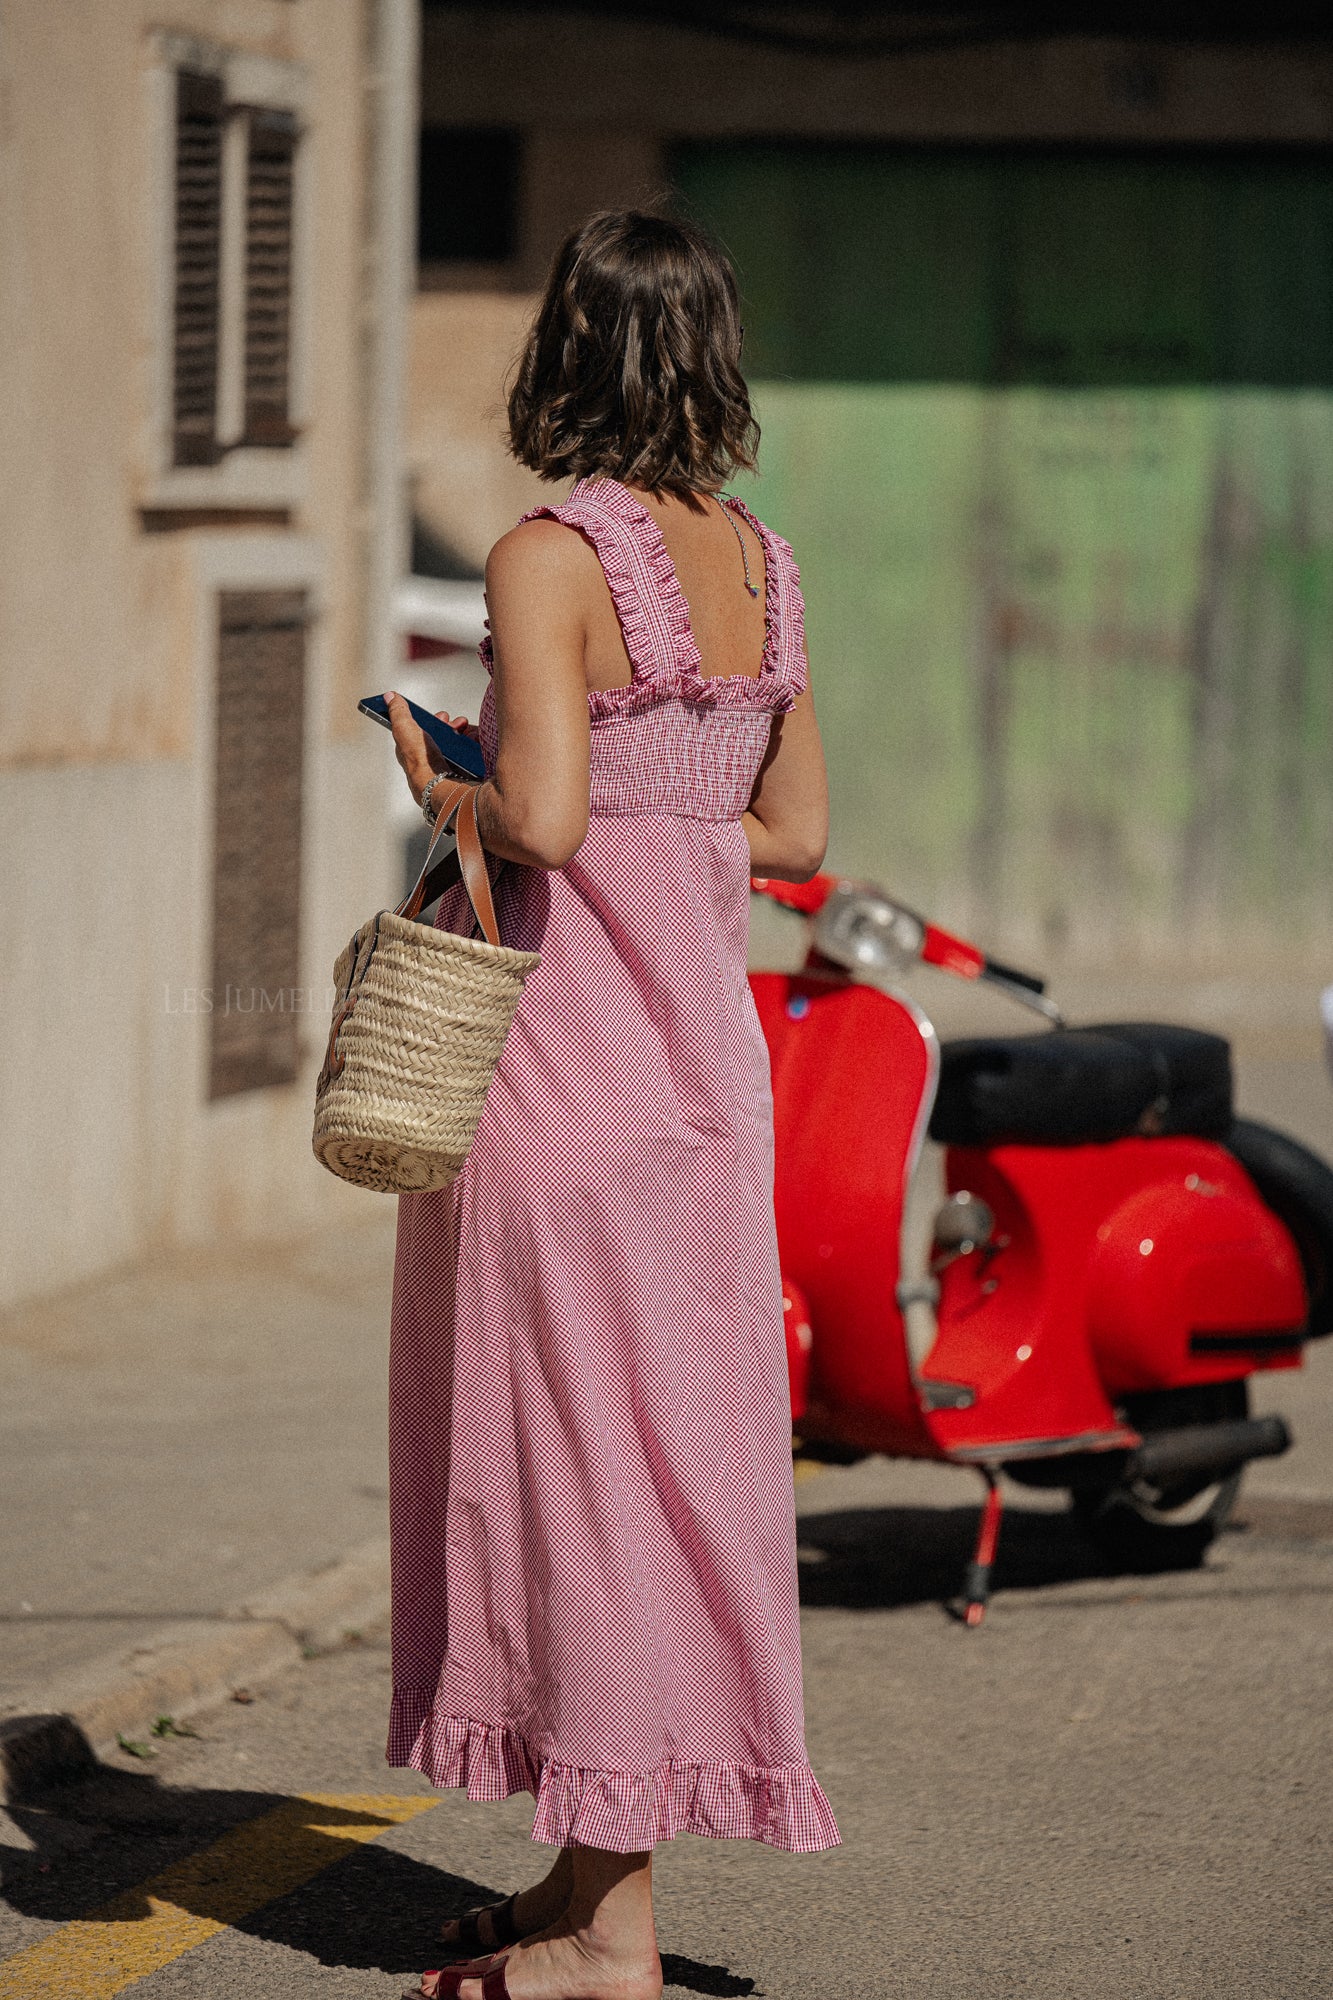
(458, 273)
(222, 562)
(243, 474)
(270, 1059)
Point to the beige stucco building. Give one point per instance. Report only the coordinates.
(205, 230)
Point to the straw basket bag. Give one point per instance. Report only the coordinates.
(419, 1021)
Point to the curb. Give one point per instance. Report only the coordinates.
(50, 1735)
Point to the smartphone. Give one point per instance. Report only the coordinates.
(459, 752)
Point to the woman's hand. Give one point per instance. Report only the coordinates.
(419, 759)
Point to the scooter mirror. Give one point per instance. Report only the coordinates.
(863, 930)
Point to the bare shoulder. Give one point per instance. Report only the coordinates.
(540, 555)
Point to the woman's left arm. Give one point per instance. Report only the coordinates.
(787, 823)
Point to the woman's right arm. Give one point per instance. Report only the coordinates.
(534, 806)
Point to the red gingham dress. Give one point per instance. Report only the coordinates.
(594, 1550)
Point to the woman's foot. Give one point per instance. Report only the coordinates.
(603, 1947)
(570, 1964)
(532, 1910)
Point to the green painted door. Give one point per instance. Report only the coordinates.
(1052, 434)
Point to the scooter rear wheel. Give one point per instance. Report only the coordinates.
(1141, 1527)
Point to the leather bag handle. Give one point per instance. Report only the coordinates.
(458, 809)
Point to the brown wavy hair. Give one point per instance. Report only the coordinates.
(632, 367)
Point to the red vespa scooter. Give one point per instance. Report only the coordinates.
(1115, 1256)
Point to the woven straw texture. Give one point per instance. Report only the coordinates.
(419, 1023)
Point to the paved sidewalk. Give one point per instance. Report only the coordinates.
(179, 1439)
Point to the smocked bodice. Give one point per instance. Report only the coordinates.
(674, 740)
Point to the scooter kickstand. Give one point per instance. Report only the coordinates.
(976, 1583)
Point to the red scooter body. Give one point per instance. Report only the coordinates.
(853, 1078)
(1112, 1271)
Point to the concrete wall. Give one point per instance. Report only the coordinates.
(1009, 746)
(623, 80)
(110, 564)
(600, 102)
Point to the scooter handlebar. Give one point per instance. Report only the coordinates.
(807, 897)
(954, 954)
(951, 954)
(1011, 977)
(939, 948)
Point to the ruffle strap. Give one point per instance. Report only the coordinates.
(626, 1812)
(784, 606)
(655, 619)
(643, 584)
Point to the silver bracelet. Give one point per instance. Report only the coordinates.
(424, 800)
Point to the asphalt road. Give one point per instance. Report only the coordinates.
(1120, 1786)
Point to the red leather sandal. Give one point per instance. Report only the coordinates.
(449, 1980)
(502, 1924)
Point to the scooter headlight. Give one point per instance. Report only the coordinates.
(862, 930)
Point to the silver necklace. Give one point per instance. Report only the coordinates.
(735, 529)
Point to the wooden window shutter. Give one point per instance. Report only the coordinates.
(257, 847)
(199, 116)
(268, 277)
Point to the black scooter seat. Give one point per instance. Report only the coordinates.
(1083, 1086)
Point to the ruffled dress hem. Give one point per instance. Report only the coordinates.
(626, 1812)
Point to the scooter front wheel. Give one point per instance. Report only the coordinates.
(1139, 1525)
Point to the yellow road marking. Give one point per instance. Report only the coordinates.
(147, 1927)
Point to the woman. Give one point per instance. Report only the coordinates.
(594, 1558)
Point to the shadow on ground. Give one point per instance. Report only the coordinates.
(369, 1907)
(887, 1558)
